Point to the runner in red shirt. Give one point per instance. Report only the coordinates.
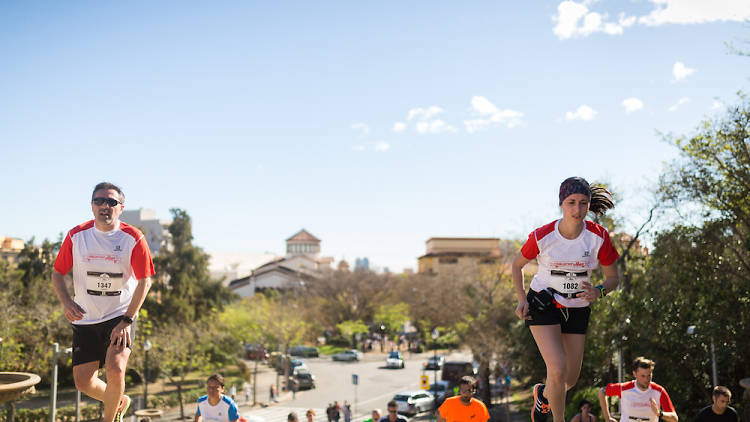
(111, 268)
(556, 307)
(640, 400)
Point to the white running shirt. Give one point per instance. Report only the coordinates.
(636, 403)
(225, 410)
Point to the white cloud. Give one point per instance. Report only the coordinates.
(680, 71)
(583, 112)
(716, 104)
(696, 11)
(382, 146)
(363, 128)
(632, 104)
(358, 147)
(399, 127)
(575, 19)
(683, 100)
(423, 113)
(435, 126)
(490, 114)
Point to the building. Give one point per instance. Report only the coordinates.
(10, 248)
(362, 264)
(229, 266)
(448, 253)
(155, 230)
(301, 263)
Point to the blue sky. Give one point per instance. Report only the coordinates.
(374, 125)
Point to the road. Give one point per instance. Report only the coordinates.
(377, 385)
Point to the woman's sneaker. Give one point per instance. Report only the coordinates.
(125, 404)
(541, 406)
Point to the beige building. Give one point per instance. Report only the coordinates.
(10, 247)
(448, 253)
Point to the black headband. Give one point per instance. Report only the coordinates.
(573, 185)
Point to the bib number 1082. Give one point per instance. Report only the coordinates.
(570, 286)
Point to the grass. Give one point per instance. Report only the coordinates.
(330, 350)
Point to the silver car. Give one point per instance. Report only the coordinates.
(347, 355)
(414, 402)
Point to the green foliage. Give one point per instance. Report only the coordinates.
(392, 316)
(589, 393)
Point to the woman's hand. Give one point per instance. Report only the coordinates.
(590, 293)
(522, 310)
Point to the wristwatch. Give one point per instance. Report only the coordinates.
(661, 413)
(127, 319)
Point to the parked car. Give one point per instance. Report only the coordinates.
(394, 360)
(414, 402)
(255, 352)
(301, 378)
(434, 362)
(347, 355)
(304, 351)
(291, 362)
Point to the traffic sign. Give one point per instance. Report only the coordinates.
(355, 379)
(424, 382)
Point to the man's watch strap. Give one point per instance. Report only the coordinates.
(127, 319)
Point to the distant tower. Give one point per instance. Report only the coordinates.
(303, 243)
(343, 265)
(362, 264)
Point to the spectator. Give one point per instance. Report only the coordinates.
(720, 411)
(292, 417)
(375, 416)
(310, 415)
(585, 412)
(347, 412)
(464, 407)
(393, 415)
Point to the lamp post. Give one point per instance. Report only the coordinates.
(435, 335)
(146, 347)
(692, 331)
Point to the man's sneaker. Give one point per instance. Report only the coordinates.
(541, 406)
(125, 404)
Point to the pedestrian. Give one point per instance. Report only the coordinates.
(310, 415)
(329, 412)
(720, 411)
(233, 392)
(347, 412)
(246, 388)
(556, 307)
(112, 268)
(215, 406)
(375, 416)
(463, 407)
(336, 411)
(584, 415)
(640, 400)
(292, 417)
(393, 415)
(271, 394)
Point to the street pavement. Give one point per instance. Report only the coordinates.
(376, 386)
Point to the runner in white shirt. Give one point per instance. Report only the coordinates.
(215, 406)
(556, 307)
(111, 268)
(640, 400)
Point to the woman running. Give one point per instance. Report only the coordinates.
(556, 307)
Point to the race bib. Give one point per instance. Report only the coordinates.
(103, 283)
(568, 281)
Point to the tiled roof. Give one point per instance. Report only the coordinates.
(303, 236)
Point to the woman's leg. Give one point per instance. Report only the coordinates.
(549, 340)
(573, 345)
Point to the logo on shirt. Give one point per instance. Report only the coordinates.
(118, 249)
(586, 253)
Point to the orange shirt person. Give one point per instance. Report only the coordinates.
(464, 407)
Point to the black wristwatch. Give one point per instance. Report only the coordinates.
(661, 413)
(127, 319)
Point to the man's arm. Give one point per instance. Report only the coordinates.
(73, 311)
(121, 333)
(604, 403)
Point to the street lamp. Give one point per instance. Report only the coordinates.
(435, 336)
(146, 348)
(692, 331)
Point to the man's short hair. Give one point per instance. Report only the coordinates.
(641, 362)
(107, 185)
(216, 377)
(720, 390)
(467, 380)
(392, 403)
(292, 417)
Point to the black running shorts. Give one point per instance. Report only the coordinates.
(576, 322)
(90, 342)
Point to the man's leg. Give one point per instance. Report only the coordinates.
(116, 363)
(549, 341)
(87, 381)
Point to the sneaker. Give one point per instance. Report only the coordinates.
(541, 406)
(123, 409)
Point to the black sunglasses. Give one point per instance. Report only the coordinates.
(110, 201)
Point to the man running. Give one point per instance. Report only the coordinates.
(720, 411)
(640, 400)
(463, 407)
(112, 269)
(215, 406)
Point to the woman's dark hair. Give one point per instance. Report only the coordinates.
(582, 402)
(600, 199)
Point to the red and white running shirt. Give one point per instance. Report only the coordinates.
(565, 263)
(106, 267)
(636, 403)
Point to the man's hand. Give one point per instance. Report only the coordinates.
(654, 407)
(120, 337)
(73, 311)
